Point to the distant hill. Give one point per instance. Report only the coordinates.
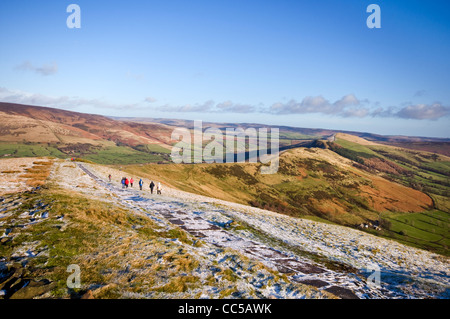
(94, 127)
(319, 132)
(68, 133)
(290, 135)
(27, 130)
(64, 133)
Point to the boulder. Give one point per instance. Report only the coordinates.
(34, 289)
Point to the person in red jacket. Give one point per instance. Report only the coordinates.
(126, 182)
(131, 182)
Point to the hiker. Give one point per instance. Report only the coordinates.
(109, 176)
(123, 182)
(152, 185)
(131, 182)
(126, 182)
(158, 188)
(141, 182)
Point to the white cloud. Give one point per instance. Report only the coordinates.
(20, 97)
(47, 69)
(231, 107)
(415, 112)
(150, 99)
(356, 112)
(424, 111)
(350, 106)
(210, 107)
(347, 100)
(316, 104)
(205, 107)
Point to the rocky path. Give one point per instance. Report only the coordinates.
(198, 223)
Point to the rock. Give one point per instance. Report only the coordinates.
(314, 282)
(342, 293)
(11, 277)
(33, 289)
(88, 295)
(4, 240)
(4, 283)
(24, 215)
(16, 284)
(17, 270)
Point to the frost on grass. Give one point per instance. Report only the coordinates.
(122, 252)
(404, 270)
(131, 244)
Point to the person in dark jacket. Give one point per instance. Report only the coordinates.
(152, 185)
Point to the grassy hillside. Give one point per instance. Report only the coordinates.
(420, 170)
(310, 182)
(28, 131)
(316, 183)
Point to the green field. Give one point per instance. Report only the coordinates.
(29, 150)
(355, 147)
(101, 155)
(123, 155)
(427, 172)
(152, 148)
(428, 230)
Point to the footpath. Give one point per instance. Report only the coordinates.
(192, 219)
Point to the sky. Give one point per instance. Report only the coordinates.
(313, 64)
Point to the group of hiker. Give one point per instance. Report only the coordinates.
(129, 182)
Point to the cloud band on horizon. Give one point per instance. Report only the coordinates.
(349, 106)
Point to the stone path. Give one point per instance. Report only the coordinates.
(177, 212)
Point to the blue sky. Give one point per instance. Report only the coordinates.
(300, 63)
